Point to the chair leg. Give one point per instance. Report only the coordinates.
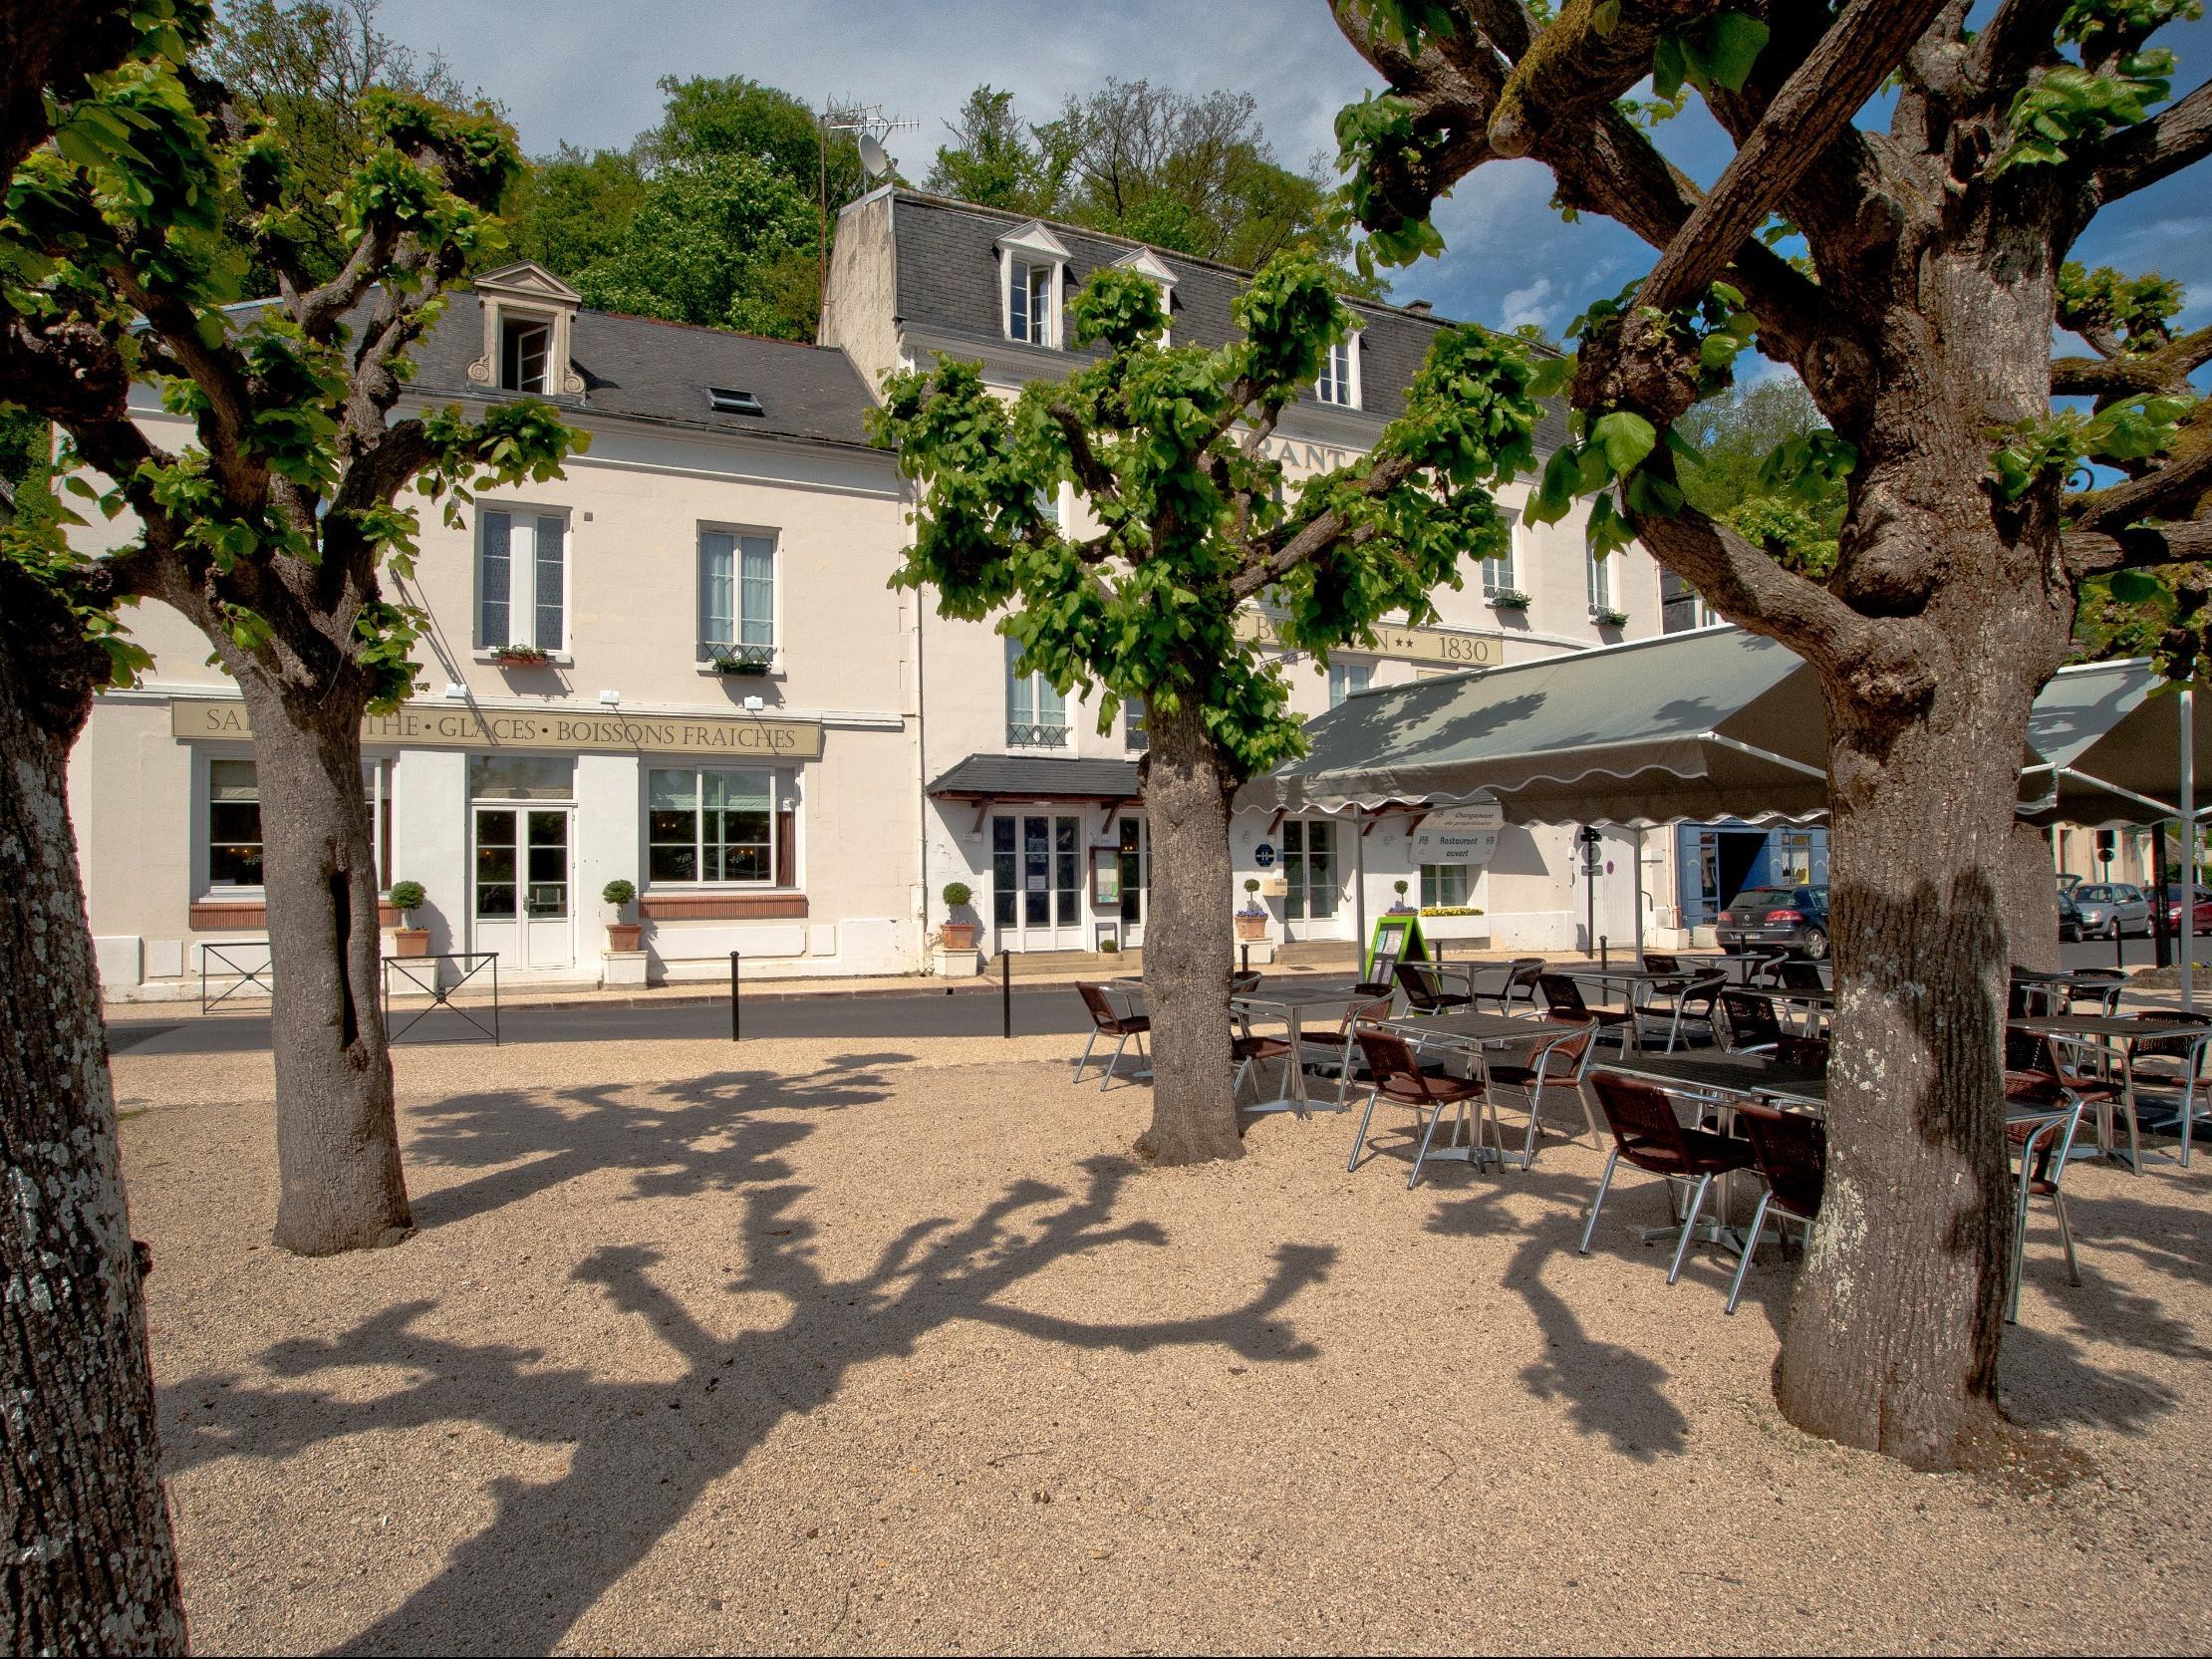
(1743, 1268)
(2066, 1237)
(2134, 1131)
(1085, 1059)
(1597, 1203)
(1360, 1141)
(1106, 1082)
(1238, 1087)
(2188, 1116)
(1689, 1228)
(1436, 1116)
(2019, 1242)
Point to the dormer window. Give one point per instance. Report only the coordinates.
(722, 400)
(529, 333)
(525, 349)
(1339, 380)
(1032, 284)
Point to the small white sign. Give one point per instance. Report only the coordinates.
(1458, 834)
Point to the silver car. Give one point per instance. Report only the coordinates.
(2109, 909)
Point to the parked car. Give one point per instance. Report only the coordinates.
(2069, 915)
(2110, 909)
(1794, 917)
(2203, 922)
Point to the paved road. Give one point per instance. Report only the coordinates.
(931, 1014)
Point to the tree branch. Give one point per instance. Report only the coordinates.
(1816, 105)
(2165, 368)
(1290, 545)
(2020, 39)
(2141, 155)
(2139, 547)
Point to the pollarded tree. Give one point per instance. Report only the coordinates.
(274, 530)
(1920, 318)
(1164, 446)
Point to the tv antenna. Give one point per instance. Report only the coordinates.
(873, 125)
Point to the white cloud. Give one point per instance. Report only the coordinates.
(1527, 305)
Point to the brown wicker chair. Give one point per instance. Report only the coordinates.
(1560, 1064)
(1425, 993)
(2187, 1058)
(1647, 1133)
(1790, 1150)
(1753, 1026)
(1397, 1077)
(1110, 1021)
(1562, 999)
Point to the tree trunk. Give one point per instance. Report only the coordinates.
(89, 1563)
(1187, 953)
(2031, 900)
(338, 1139)
(1894, 1326)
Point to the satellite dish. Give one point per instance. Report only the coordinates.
(873, 158)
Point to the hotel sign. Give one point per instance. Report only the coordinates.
(1450, 647)
(419, 726)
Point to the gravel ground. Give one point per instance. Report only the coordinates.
(803, 1348)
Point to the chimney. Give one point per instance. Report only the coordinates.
(1420, 307)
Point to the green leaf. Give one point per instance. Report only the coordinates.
(1732, 42)
(1626, 437)
(1667, 68)
(2135, 587)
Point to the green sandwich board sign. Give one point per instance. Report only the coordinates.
(1397, 939)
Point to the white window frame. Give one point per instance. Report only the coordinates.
(1504, 575)
(522, 579)
(784, 795)
(1429, 878)
(738, 534)
(1344, 381)
(1039, 688)
(513, 316)
(380, 796)
(1341, 684)
(1136, 716)
(1598, 579)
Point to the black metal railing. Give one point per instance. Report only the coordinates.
(737, 656)
(1021, 737)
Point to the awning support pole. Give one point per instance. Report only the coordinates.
(2190, 834)
(1639, 857)
(1359, 893)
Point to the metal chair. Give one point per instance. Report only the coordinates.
(1683, 995)
(2098, 987)
(1797, 974)
(1790, 1148)
(1108, 1022)
(2032, 1054)
(1400, 1079)
(1562, 1062)
(1562, 999)
(2187, 1052)
(1647, 1133)
(1520, 984)
(2043, 1145)
(1753, 1027)
(1425, 992)
(1335, 1052)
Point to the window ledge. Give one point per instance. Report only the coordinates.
(775, 670)
(553, 659)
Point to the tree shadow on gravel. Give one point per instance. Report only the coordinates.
(642, 1453)
(695, 1135)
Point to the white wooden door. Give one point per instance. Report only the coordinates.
(1037, 872)
(522, 905)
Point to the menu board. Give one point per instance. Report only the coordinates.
(1397, 939)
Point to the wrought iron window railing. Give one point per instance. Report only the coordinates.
(1026, 736)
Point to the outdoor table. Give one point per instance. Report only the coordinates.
(1736, 964)
(1472, 1034)
(1635, 984)
(1289, 1003)
(2115, 1035)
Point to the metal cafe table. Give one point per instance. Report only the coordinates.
(1290, 1003)
(1635, 984)
(1471, 1034)
(2116, 1037)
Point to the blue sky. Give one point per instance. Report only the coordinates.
(584, 73)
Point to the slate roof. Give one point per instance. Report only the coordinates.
(642, 369)
(1029, 777)
(947, 263)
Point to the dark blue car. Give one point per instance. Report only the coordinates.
(1792, 919)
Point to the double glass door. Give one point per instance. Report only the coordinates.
(522, 907)
(1136, 879)
(1312, 877)
(1036, 874)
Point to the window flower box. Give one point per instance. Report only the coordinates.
(520, 657)
(1460, 923)
(741, 666)
(1607, 616)
(1508, 599)
(724, 658)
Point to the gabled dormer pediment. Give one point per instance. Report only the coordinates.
(1034, 239)
(529, 315)
(1150, 265)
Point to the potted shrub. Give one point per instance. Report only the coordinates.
(1401, 908)
(621, 935)
(1252, 920)
(1508, 599)
(1609, 615)
(957, 935)
(407, 938)
(730, 662)
(520, 657)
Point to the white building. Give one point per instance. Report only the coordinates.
(727, 704)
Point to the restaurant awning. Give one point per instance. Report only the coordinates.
(2110, 745)
(1716, 724)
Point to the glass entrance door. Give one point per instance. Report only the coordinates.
(1037, 872)
(1136, 879)
(1310, 870)
(522, 905)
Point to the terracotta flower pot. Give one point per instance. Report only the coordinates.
(1250, 926)
(960, 936)
(410, 942)
(624, 936)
